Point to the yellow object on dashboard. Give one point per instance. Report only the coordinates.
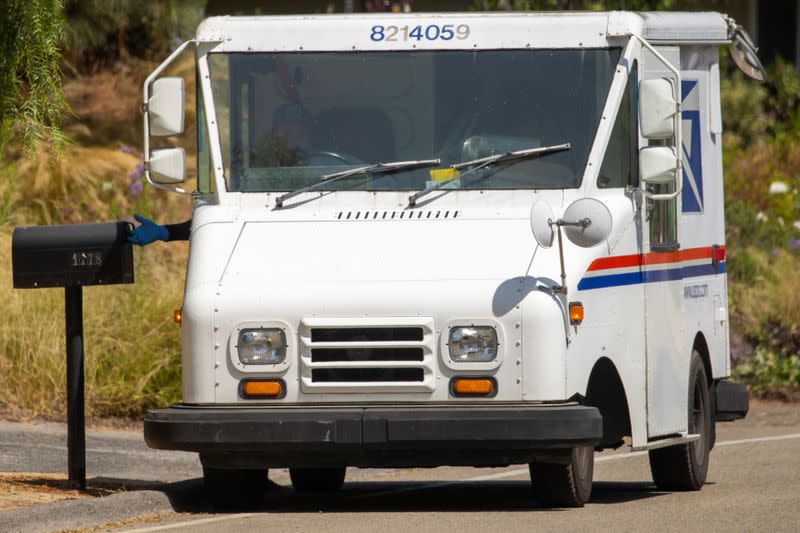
(443, 174)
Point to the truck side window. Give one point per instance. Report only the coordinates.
(205, 182)
(621, 164)
(663, 216)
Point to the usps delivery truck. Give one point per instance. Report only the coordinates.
(451, 239)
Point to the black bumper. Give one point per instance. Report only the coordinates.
(372, 436)
(731, 401)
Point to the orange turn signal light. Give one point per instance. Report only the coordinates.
(473, 387)
(176, 316)
(262, 389)
(575, 313)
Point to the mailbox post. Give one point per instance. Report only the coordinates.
(72, 256)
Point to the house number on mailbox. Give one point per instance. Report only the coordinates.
(85, 259)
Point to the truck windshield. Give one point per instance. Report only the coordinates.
(285, 119)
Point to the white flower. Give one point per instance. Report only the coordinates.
(761, 217)
(778, 187)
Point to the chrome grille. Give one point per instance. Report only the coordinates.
(367, 355)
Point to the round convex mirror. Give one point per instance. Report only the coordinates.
(599, 225)
(541, 215)
(743, 53)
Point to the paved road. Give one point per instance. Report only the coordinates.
(754, 484)
(110, 454)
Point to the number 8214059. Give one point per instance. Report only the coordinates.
(431, 32)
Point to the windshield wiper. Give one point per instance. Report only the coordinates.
(485, 162)
(373, 168)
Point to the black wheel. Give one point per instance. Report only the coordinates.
(317, 479)
(684, 467)
(565, 485)
(235, 488)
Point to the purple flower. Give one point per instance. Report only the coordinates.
(135, 188)
(794, 244)
(125, 149)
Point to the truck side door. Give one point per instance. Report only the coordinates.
(667, 365)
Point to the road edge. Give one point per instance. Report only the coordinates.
(93, 512)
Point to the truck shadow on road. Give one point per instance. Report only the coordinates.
(377, 496)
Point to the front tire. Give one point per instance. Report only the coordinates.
(685, 467)
(565, 485)
(317, 479)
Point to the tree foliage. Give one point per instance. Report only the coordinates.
(588, 5)
(31, 100)
(102, 32)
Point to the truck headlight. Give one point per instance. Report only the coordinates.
(473, 344)
(262, 346)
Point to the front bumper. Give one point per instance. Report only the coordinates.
(373, 436)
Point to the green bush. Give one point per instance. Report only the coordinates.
(768, 370)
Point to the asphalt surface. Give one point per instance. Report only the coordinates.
(110, 454)
(753, 484)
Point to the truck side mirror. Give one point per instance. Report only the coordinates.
(165, 107)
(657, 109)
(658, 164)
(167, 166)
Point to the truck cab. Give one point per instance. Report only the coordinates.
(451, 239)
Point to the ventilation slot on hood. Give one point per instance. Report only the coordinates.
(438, 214)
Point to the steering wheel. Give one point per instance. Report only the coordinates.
(333, 158)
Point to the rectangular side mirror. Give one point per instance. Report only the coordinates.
(165, 107)
(657, 109)
(168, 166)
(658, 164)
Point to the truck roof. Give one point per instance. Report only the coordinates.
(486, 30)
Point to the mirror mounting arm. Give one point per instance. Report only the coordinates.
(562, 289)
(145, 100)
(678, 126)
(559, 223)
(582, 223)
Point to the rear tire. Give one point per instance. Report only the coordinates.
(235, 488)
(565, 485)
(685, 467)
(317, 479)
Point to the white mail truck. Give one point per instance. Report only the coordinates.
(451, 239)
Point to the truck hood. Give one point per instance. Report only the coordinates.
(380, 250)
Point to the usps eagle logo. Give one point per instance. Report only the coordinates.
(692, 193)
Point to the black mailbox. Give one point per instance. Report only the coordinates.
(72, 255)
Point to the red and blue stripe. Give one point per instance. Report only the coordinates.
(653, 267)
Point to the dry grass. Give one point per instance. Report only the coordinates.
(19, 490)
(87, 184)
(107, 104)
(749, 172)
(132, 346)
(773, 296)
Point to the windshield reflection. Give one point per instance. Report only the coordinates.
(288, 118)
